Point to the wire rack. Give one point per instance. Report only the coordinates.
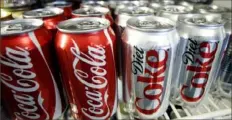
(211, 108)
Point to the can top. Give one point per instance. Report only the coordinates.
(95, 3)
(43, 12)
(123, 6)
(201, 20)
(212, 9)
(60, 4)
(91, 11)
(175, 9)
(83, 25)
(19, 26)
(151, 24)
(136, 11)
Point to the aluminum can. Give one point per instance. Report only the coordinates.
(173, 11)
(224, 79)
(148, 65)
(94, 12)
(28, 81)
(5, 15)
(51, 17)
(211, 9)
(16, 3)
(66, 6)
(85, 48)
(198, 57)
(123, 16)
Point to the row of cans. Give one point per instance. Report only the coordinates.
(155, 57)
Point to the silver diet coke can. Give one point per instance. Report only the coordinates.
(198, 57)
(148, 53)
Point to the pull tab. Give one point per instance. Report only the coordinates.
(88, 25)
(148, 24)
(43, 13)
(14, 27)
(199, 20)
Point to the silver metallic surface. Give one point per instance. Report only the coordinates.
(19, 26)
(43, 12)
(148, 52)
(197, 58)
(83, 25)
(173, 11)
(59, 4)
(91, 11)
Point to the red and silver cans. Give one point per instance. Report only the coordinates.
(66, 6)
(224, 80)
(94, 12)
(173, 11)
(51, 17)
(28, 79)
(148, 55)
(198, 57)
(85, 48)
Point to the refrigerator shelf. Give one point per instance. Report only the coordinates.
(213, 107)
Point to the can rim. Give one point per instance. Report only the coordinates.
(164, 20)
(186, 10)
(56, 10)
(37, 22)
(63, 4)
(151, 11)
(63, 23)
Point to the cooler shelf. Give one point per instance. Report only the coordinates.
(213, 107)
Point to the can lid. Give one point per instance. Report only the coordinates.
(83, 25)
(202, 20)
(19, 26)
(151, 24)
(43, 12)
(87, 11)
(175, 9)
(136, 11)
(122, 7)
(212, 9)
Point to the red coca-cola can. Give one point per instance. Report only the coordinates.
(85, 48)
(50, 16)
(29, 86)
(94, 12)
(66, 6)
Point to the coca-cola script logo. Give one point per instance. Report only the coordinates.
(198, 59)
(152, 80)
(25, 84)
(97, 101)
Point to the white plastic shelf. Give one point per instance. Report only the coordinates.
(211, 108)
